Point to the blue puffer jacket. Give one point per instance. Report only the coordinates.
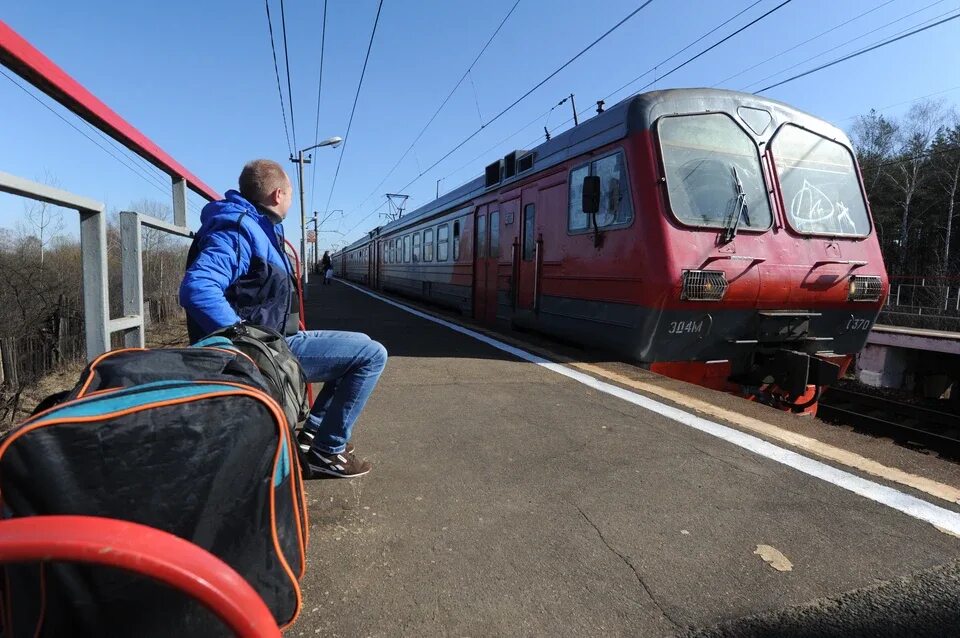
(237, 270)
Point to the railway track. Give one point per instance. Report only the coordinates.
(905, 423)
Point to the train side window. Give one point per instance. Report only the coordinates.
(616, 208)
(443, 234)
(456, 240)
(406, 249)
(416, 247)
(495, 233)
(397, 250)
(529, 227)
(428, 244)
(481, 236)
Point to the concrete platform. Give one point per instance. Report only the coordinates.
(509, 500)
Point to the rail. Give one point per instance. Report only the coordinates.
(903, 422)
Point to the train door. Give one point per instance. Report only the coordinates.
(486, 254)
(374, 265)
(527, 252)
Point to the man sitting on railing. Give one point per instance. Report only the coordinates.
(238, 272)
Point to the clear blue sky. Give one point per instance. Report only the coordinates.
(198, 78)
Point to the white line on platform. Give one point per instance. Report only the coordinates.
(940, 517)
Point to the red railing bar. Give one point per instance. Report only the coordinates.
(146, 551)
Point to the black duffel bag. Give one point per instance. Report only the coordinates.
(185, 440)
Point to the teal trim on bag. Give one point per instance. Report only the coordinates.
(283, 466)
(133, 397)
(215, 342)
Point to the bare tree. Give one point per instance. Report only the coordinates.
(946, 149)
(875, 138)
(44, 221)
(917, 131)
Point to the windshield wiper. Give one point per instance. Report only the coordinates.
(741, 207)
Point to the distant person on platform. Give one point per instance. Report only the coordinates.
(327, 267)
(240, 273)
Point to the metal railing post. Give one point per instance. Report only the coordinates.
(179, 201)
(132, 276)
(96, 309)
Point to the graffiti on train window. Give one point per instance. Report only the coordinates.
(821, 190)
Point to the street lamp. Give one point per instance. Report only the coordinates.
(301, 160)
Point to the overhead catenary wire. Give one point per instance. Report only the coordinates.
(807, 41)
(353, 110)
(276, 69)
(664, 75)
(286, 64)
(860, 52)
(106, 149)
(530, 91)
(433, 117)
(316, 127)
(766, 78)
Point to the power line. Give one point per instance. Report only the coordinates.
(807, 41)
(910, 101)
(691, 59)
(356, 98)
(851, 40)
(105, 149)
(316, 127)
(276, 69)
(286, 63)
(695, 42)
(535, 87)
(376, 189)
(860, 52)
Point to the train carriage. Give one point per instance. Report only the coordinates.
(713, 236)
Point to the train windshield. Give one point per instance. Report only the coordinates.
(713, 172)
(821, 190)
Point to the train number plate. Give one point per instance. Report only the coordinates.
(685, 327)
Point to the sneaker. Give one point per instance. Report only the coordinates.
(305, 440)
(343, 465)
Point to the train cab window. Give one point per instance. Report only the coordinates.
(428, 244)
(713, 172)
(416, 247)
(818, 179)
(495, 233)
(529, 227)
(615, 205)
(406, 249)
(456, 240)
(443, 234)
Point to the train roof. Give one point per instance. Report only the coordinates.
(762, 116)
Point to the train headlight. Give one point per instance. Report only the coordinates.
(703, 285)
(865, 288)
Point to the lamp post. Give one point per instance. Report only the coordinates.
(301, 160)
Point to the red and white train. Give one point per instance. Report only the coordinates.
(712, 236)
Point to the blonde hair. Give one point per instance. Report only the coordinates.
(260, 178)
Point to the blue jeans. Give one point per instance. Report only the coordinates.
(349, 365)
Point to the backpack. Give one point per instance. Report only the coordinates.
(186, 440)
(285, 378)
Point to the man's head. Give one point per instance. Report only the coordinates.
(264, 182)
